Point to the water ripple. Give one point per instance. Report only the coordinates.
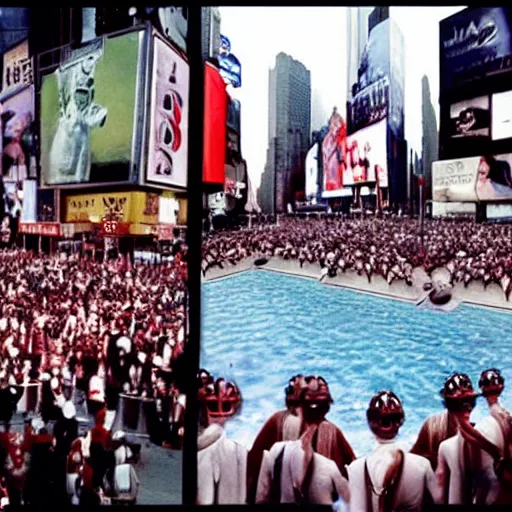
(260, 328)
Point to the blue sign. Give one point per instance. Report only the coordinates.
(473, 42)
(230, 68)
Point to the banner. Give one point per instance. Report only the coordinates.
(168, 139)
(357, 159)
(502, 115)
(88, 108)
(473, 42)
(454, 180)
(230, 68)
(470, 118)
(215, 117)
(168, 208)
(312, 172)
(124, 207)
(40, 229)
(17, 68)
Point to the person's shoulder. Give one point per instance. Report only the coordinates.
(418, 461)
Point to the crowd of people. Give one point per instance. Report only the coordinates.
(389, 247)
(76, 338)
(301, 457)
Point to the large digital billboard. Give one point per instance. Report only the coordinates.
(230, 68)
(486, 179)
(474, 42)
(88, 110)
(168, 138)
(502, 115)
(470, 118)
(312, 172)
(358, 159)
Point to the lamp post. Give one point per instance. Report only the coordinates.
(421, 184)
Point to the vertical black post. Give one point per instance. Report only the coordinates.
(194, 214)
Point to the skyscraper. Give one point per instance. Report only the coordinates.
(289, 112)
(210, 20)
(357, 37)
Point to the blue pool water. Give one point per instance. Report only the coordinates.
(260, 328)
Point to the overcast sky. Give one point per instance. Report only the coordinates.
(316, 37)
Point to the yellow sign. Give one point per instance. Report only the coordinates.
(128, 207)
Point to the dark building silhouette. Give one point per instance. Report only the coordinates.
(430, 140)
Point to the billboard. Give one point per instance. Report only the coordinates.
(494, 179)
(312, 172)
(396, 79)
(215, 117)
(168, 138)
(470, 118)
(17, 68)
(502, 115)
(454, 180)
(486, 179)
(47, 205)
(370, 95)
(18, 135)
(88, 111)
(234, 108)
(358, 159)
(474, 42)
(230, 68)
(174, 25)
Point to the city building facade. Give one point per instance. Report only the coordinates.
(289, 113)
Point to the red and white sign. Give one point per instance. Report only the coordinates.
(165, 232)
(40, 228)
(114, 228)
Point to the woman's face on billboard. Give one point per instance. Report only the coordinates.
(483, 170)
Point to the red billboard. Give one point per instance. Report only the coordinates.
(215, 119)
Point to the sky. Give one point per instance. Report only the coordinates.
(316, 37)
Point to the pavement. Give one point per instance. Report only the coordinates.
(159, 469)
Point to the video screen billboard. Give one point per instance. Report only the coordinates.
(230, 68)
(234, 113)
(502, 115)
(312, 172)
(360, 158)
(454, 180)
(474, 42)
(494, 180)
(370, 102)
(88, 108)
(168, 138)
(470, 118)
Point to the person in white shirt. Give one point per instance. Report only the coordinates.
(492, 384)
(221, 464)
(388, 478)
(467, 460)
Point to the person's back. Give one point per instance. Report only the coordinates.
(436, 429)
(389, 479)
(417, 478)
(221, 469)
(282, 475)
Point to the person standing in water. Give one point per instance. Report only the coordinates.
(467, 461)
(388, 478)
(308, 470)
(284, 425)
(436, 429)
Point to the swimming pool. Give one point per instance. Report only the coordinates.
(260, 328)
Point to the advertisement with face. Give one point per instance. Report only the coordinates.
(454, 180)
(494, 181)
(473, 42)
(168, 139)
(502, 115)
(470, 118)
(88, 107)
